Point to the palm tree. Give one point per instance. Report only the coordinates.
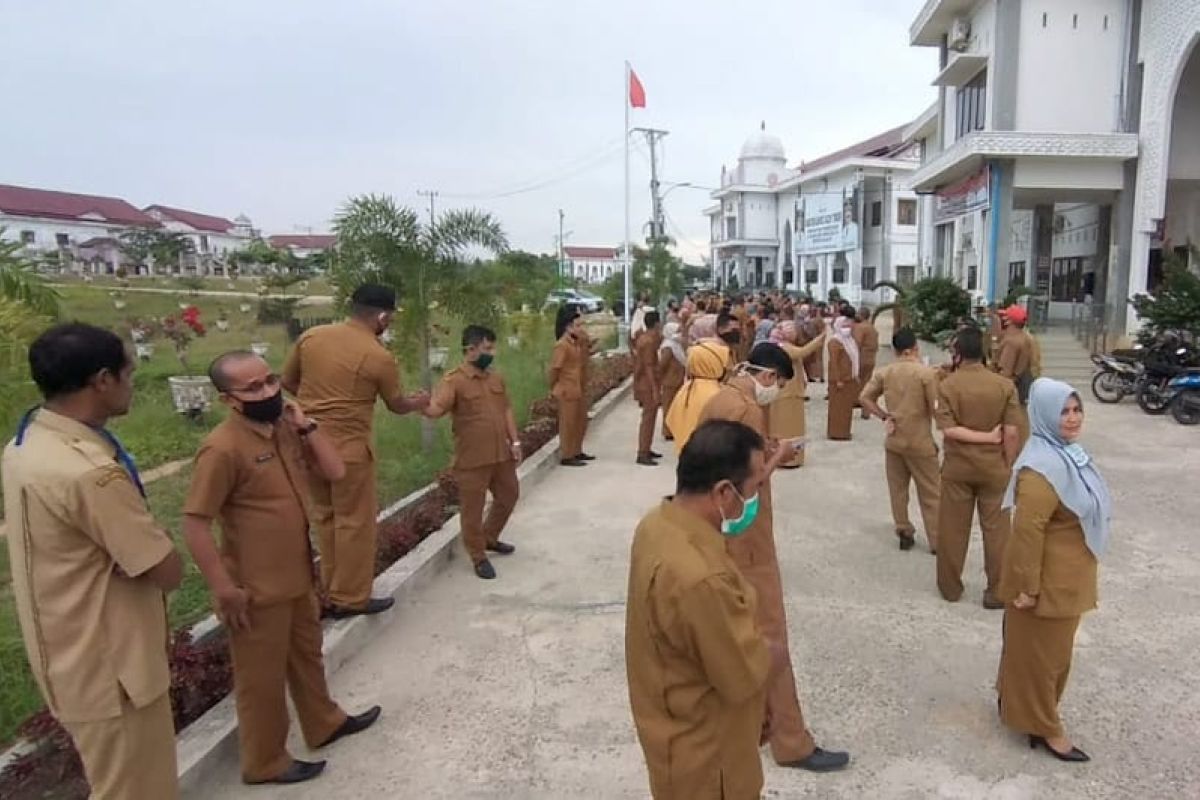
(896, 306)
(21, 283)
(27, 305)
(380, 241)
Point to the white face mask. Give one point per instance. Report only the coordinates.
(387, 336)
(765, 395)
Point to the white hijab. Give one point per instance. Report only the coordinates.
(674, 342)
(843, 331)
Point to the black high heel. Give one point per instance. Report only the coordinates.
(1076, 755)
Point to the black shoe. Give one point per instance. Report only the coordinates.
(821, 761)
(646, 461)
(375, 605)
(573, 462)
(1075, 754)
(354, 724)
(653, 454)
(585, 457)
(485, 570)
(298, 772)
(991, 603)
(502, 548)
(907, 540)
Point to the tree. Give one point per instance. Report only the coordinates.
(660, 273)
(20, 282)
(1175, 304)
(152, 247)
(931, 307)
(521, 278)
(382, 242)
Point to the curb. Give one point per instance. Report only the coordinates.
(207, 741)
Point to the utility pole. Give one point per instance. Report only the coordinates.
(657, 221)
(432, 195)
(560, 248)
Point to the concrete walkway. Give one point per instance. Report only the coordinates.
(515, 689)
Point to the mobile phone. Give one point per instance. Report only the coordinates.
(800, 442)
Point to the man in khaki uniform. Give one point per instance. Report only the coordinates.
(90, 567)
(645, 387)
(696, 661)
(866, 336)
(909, 389)
(744, 399)
(336, 372)
(250, 474)
(978, 415)
(1016, 360)
(487, 447)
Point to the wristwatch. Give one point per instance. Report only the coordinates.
(307, 429)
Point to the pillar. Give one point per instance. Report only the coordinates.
(999, 233)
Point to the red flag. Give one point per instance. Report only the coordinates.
(637, 94)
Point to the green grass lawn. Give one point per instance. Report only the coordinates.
(155, 434)
(315, 286)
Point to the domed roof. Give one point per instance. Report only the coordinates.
(763, 145)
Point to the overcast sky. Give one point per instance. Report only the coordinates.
(282, 110)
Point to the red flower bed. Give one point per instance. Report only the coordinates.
(201, 673)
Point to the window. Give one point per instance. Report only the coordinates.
(906, 212)
(204, 243)
(1066, 280)
(28, 237)
(62, 240)
(971, 105)
(731, 227)
(839, 274)
(906, 275)
(1016, 273)
(876, 213)
(788, 277)
(868, 277)
(972, 278)
(811, 276)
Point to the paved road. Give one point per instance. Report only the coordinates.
(515, 688)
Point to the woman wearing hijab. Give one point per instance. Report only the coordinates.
(842, 359)
(785, 417)
(706, 365)
(672, 369)
(566, 386)
(1048, 578)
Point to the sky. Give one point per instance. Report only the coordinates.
(284, 109)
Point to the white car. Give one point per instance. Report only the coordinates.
(589, 303)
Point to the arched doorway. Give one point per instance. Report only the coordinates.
(1181, 218)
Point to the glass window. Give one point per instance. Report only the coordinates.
(972, 278)
(906, 275)
(28, 237)
(868, 277)
(62, 239)
(1016, 273)
(731, 227)
(906, 212)
(971, 105)
(876, 213)
(811, 276)
(1066, 280)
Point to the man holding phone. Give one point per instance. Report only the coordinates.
(756, 383)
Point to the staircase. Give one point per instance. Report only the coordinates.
(1064, 358)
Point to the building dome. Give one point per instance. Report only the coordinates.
(763, 145)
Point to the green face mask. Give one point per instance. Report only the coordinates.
(484, 360)
(736, 527)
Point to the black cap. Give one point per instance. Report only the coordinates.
(372, 295)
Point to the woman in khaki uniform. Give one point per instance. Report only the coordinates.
(672, 369)
(566, 386)
(785, 417)
(1048, 574)
(843, 379)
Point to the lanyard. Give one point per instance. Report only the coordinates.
(122, 455)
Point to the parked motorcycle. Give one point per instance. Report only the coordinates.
(1117, 376)
(1168, 357)
(1185, 397)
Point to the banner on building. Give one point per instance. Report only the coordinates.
(971, 194)
(827, 222)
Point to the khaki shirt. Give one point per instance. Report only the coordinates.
(566, 370)
(909, 390)
(973, 397)
(696, 662)
(866, 335)
(840, 368)
(645, 367)
(340, 370)
(479, 405)
(79, 535)
(252, 479)
(1047, 556)
(1016, 355)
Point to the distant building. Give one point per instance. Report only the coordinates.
(591, 264)
(303, 245)
(843, 221)
(1063, 153)
(213, 238)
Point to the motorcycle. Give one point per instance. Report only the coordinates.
(1185, 397)
(1164, 360)
(1117, 376)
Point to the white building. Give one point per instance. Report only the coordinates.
(590, 264)
(213, 238)
(846, 220)
(303, 245)
(1064, 150)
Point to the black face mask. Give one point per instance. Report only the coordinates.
(731, 337)
(266, 410)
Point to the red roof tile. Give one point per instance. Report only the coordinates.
(303, 241)
(200, 222)
(882, 145)
(24, 202)
(590, 252)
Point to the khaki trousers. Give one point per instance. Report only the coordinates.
(473, 485)
(902, 468)
(959, 500)
(1035, 663)
(130, 757)
(282, 649)
(571, 427)
(646, 428)
(344, 516)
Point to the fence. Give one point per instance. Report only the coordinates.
(1089, 324)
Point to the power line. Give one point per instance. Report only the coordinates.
(572, 169)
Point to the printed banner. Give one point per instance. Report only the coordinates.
(971, 194)
(827, 222)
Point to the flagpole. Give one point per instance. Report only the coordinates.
(625, 95)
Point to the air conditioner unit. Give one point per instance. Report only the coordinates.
(959, 37)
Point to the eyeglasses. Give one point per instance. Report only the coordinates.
(256, 387)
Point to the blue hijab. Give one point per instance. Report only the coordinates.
(1068, 467)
